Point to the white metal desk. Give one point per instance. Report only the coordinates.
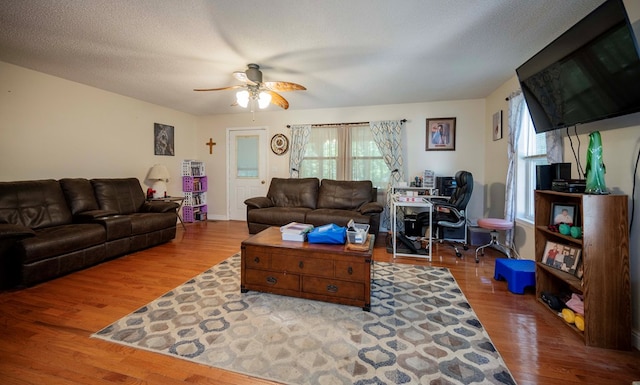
(422, 203)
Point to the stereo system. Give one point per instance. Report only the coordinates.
(557, 177)
(546, 174)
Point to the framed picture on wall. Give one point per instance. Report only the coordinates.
(441, 134)
(163, 139)
(497, 125)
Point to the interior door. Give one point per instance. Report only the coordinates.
(247, 168)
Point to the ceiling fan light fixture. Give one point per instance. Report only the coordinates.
(242, 97)
(263, 100)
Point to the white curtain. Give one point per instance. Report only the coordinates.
(555, 146)
(388, 138)
(516, 107)
(299, 138)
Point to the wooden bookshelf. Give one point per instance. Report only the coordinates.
(604, 246)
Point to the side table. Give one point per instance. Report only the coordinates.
(178, 200)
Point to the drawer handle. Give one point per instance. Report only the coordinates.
(350, 270)
(272, 280)
(332, 288)
(256, 260)
(301, 264)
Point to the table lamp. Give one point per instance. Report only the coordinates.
(160, 175)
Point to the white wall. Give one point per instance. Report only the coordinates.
(468, 155)
(54, 128)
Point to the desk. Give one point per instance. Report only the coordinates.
(424, 203)
(178, 200)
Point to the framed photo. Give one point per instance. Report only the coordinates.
(562, 257)
(564, 213)
(497, 125)
(441, 134)
(163, 139)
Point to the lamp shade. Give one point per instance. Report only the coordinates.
(242, 98)
(160, 175)
(159, 172)
(263, 100)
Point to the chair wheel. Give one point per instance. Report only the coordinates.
(465, 247)
(458, 254)
(477, 261)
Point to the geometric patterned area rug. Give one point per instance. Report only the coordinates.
(420, 330)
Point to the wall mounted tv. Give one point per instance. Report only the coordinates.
(589, 73)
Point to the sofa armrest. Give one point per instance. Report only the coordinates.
(159, 207)
(92, 215)
(258, 203)
(8, 231)
(371, 208)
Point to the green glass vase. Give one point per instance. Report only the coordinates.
(595, 166)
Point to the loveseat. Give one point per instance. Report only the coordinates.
(307, 200)
(49, 228)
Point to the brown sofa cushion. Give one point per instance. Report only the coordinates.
(79, 194)
(34, 204)
(301, 192)
(124, 196)
(346, 195)
(59, 240)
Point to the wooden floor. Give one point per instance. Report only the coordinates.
(45, 330)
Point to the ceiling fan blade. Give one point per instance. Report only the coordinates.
(284, 86)
(219, 89)
(242, 76)
(278, 100)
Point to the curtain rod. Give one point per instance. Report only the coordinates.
(511, 95)
(341, 124)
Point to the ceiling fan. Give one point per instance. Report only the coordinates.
(255, 89)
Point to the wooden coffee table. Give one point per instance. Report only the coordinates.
(329, 273)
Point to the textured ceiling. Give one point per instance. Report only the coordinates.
(347, 53)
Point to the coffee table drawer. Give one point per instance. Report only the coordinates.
(302, 265)
(270, 279)
(350, 270)
(333, 288)
(257, 259)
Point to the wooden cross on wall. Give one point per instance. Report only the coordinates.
(211, 143)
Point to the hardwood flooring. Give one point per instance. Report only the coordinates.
(45, 330)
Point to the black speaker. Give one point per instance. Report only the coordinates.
(412, 228)
(544, 177)
(561, 171)
(446, 185)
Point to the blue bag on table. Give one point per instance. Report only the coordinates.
(331, 233)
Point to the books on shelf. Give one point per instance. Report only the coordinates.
(295, 231)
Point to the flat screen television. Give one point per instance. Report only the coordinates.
(589, 73)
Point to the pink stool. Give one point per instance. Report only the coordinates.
(494, 224)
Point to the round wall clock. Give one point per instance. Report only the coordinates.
(279, 144)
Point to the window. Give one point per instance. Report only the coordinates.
(531, 151)
(344, 152)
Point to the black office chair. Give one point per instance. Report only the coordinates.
(449, 215)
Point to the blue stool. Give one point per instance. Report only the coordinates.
(519, 273)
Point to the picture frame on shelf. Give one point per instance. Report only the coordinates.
(562, 257)
(441, 134)
(563, 213)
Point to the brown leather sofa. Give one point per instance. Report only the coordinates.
(307, 200)
(49, 228)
